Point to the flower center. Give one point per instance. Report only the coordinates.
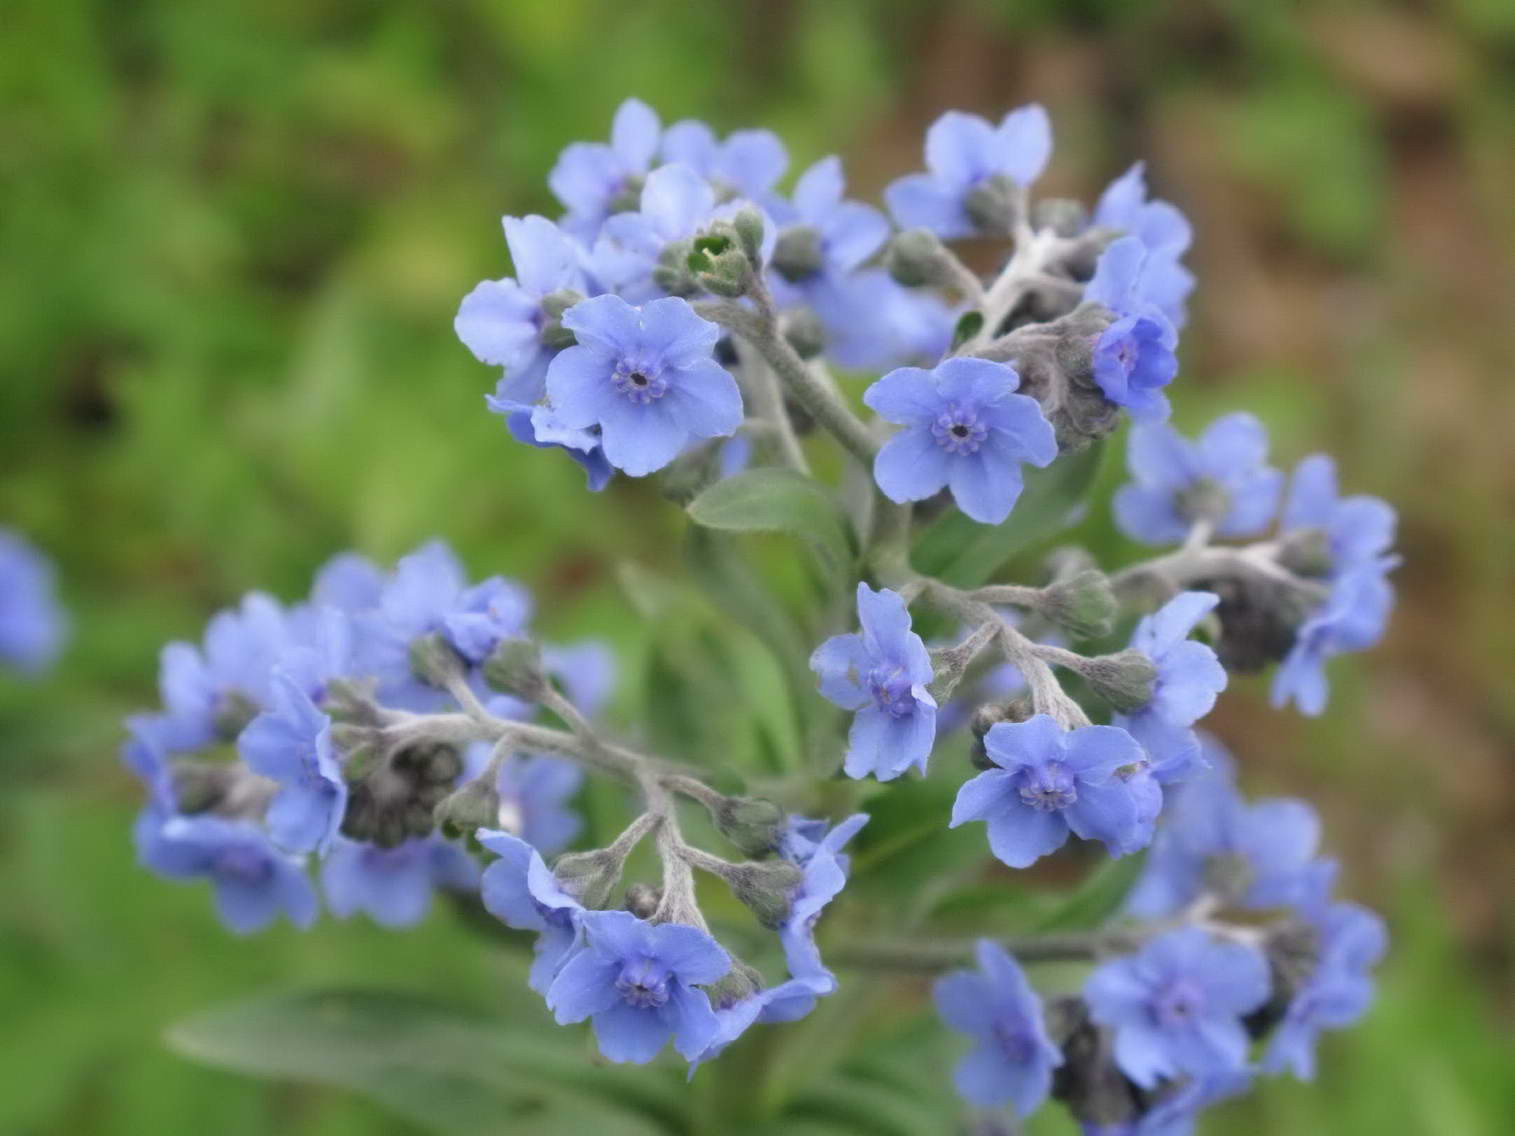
(1048, 789)
(1014, 1043)
(1178, 1005)
(245, 864)
(638, 383)
(890, 687)
(958, 430)
(643, 984)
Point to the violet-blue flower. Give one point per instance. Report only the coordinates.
(1221, 478)
(486, 613)
(1353, 618)
(1176, 1005)
(211, 692)
(1189, 677)
(646, 377)
(1133, 361)
(254, 882)
(1270, 845)
(746, 163)
(1351, 942)
(348, 582)
(787, 1002)
(535, 792)
(290, 743)
(393, 886)
(520, 890)
(965, 428)
(32, 625)
(1012, 1057)
(640, 982)
(1049, 782)
(1359, 530)
(1163, 231)
(966, 156)
(838, 234)
(881, 673)
(502, 321)
(539, 426)
(594, 180)
(823, 875)
(873, 323)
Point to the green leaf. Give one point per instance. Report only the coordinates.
(780, 500)
(434, 1064)
(965, 553)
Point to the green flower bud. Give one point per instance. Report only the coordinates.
(797, 255)
(754, 825)
(470, 807)
(515, 667)
(554, 335)
(672, 273)
(914, 258)
(766, 887)
(1083, 605)
(1123, 679)
(749, 227)
(740, 983)
(806, 334)
(433, 659)
(590, 877)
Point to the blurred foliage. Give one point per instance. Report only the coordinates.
(234, 237)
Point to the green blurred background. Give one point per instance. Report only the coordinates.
(232, 239)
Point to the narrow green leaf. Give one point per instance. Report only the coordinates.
(780, 500)
(965, 553)
(434, 1064)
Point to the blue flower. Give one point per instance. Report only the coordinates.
(963, 153)
(1132, 363)
(1189, 677)
(1176, 1005)
(1353, 618)
(640, 982)
(746, 163)
(1274, 842)
(646, 377)
(787, 1002)
(501, 321)
(872, 322)
(254, 882)
(1360, 530)
(393, 886)
(1178, 1106)
(520, 890)
(1090, 781)
(291, 743)
(1013, 1058)
(534, 801)
(539, 426)
(1222, 478)
(824, 874)
(348, 582)
(486, 613)
(882, 674)
(964, 428)
(676, 203)
(803, 837)
(1163, 231)
(212, 692)
(594, 180)
(32, 625)
(847, 232)
(1352, 941)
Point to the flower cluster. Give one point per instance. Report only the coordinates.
(682, 318)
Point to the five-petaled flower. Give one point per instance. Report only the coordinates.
(1049, 782)
(882, 673)
(640, 982)
(1176, 1006)
(646, 377)
(965, 428)
(520, 890)
(1012, 1057)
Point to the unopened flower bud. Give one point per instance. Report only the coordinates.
(1306, 552)
(590, 877)
(515, 667)
(672, 273)
(434, 660)
(750, 228)
(1065, 216)
(554, 335)
(353, 700)
(1123, 679)
(472, 806)
(718, 263)
(753, 824)
(740, 983)
(642, 900)
(992, 204)
(766, 887)
(1083, 605)
(797, 255)
(805, 333)
(915, 258)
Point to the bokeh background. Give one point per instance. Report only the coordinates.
(233, 235)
